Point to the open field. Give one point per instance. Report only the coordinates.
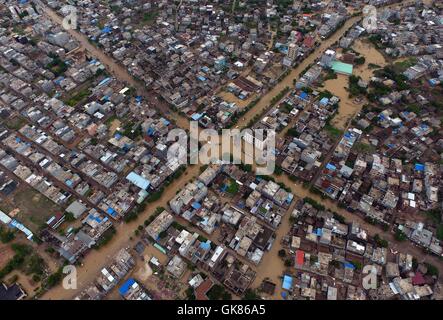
(35, 208)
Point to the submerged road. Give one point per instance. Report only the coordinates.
(96, 259)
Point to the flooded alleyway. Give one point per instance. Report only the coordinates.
(272, 266)
(97, 259)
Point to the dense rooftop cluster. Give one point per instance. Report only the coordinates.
(84, 123)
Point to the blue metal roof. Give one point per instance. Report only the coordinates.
(126, 286)
(196, 116)
(104, 81)
(287, 282)
(138, 180)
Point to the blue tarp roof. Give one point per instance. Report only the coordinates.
(125, 287)
(150, 131)
(111, 212)
(92, 217)
(330, 166)
(287, 282)
(206, 245)
(419, 167)
(349, 265)
(324, 101)
(196, 205)
(303, 95)
(106, 29)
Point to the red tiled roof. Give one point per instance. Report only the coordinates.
(202, 290)
(418, 279)
(300, 257)
(309, 41)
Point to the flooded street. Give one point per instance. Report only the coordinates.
(347, 106)
(295, 73)
(117, 70)
(272, 266)
(97, 259)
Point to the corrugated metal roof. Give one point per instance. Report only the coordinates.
(138, 180)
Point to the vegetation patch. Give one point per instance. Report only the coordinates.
(78, 97)
(105, 238)
(218, 292)
(333, 132)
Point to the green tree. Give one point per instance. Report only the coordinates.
(251, 294)
(400, 235)
(282, 253)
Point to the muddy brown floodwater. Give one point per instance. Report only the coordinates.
(229, 97)
(348, 107)
(372, 56)
(295, 73)
(97, 259)
(271, 266)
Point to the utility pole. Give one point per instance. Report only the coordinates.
(176, 15)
